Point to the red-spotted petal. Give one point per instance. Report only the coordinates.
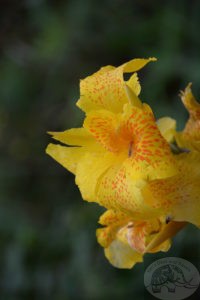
(106, 88)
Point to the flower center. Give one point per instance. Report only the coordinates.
(130, 149)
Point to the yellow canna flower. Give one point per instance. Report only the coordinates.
(189, 138)
(119, 144)
(122, 159)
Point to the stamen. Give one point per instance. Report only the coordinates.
(130, 149)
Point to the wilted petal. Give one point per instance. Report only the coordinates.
(190, 137)
(120, 254)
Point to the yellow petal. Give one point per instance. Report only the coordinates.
(90, 170)
(132, 97)
(68, 157)
(167, 128)
(168, 231)
(105, 89)
(74, 136)
(136, 64)
(110, 216)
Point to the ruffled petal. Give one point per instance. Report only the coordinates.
(191, 104)
(128, 244)
(105, 88)
(113, 220)
(133, 84)
(189, 138)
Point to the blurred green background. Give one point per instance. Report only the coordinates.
(48, 248)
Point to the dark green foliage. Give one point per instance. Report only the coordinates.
(48, 248)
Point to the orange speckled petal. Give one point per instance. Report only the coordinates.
(103, 125)
(110, 216)
(140, 232)
(118, 191)
(137, 239)
(105, 236)
(105, 89)
(178, 196)
(151, 156)
(114, 220)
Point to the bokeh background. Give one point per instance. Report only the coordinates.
(48, 248)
